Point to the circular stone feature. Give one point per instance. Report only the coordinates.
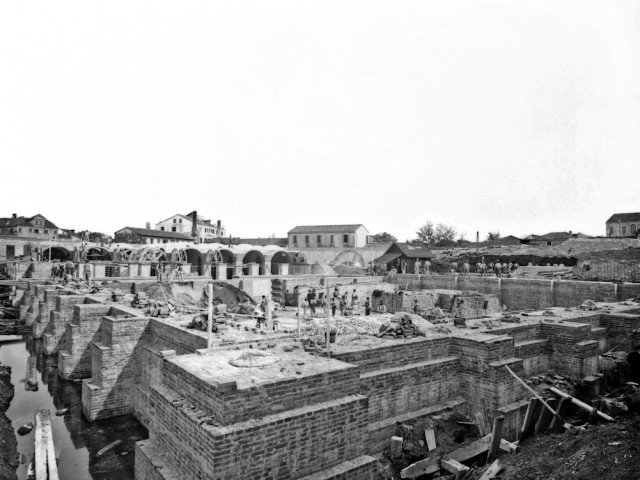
(254, 358)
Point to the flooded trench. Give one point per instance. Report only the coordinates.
(77, 441)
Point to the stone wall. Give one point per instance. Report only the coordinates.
(525, 293)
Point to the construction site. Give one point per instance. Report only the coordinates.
(259, 365)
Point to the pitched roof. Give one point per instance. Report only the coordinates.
(554, 236)
(624, 217)
(144, 232)
(326, 228)
(24, 221)
(411, 250)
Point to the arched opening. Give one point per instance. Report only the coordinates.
(252, 257)
(98, 254)
(219, 257)
(278, 259)
(55, 253)
(299, 264)
(194, 258)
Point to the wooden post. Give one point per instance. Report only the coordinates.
(527, 425)
(326, 314)
(496, 436)
(562, 404)
(453, 466)
(396, 446)
(268, 314)
(430, 438)
(545, 417)
(52, 464)
(210, 317)
(482, 429)
(299, 312)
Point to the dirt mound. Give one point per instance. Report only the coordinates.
(182, 294)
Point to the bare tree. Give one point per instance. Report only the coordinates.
(493, 236)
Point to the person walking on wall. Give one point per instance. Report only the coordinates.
(367, 306)
(427, 267)
(382, 308)
(416, 267)
(334, 306)
(403, 266)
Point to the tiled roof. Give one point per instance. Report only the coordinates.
(24, 222)
(326, 228)
(624, 217)
(144, 232)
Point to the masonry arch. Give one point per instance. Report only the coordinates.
(55, 253)
(253, 256)
(98, 254)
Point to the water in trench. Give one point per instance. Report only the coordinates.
(77, 441)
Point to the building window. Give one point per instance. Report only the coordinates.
(174, 220)
(633, 228)
(345, 238)
(173, 229)
(162, 228)
(46, 231)
(624, 231)
(331, 239)
(37, 231)
(307, 240)
(31, 230)
(179, 220)
(319, 239)
(610, 231)
(295, 239)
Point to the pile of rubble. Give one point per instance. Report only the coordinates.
(400, 326)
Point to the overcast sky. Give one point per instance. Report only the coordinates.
(522, 117)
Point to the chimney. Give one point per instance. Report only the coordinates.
(219, 223)
(148, 225)
(194, 224)
(477, 236)
(15, 215)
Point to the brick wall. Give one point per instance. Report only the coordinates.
(115, 367)
(572, 352)
(286, 445)
(397, 390)
(228, 404)
(393, 354)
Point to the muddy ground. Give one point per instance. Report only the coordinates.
(8, 444)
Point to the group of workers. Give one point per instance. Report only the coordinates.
(345, 303)
(166, 272)
(69, 270)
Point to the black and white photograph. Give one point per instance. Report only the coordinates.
(320, 240)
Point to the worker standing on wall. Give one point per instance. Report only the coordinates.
(427, 266)
(416, 267)
(311, 298)
(87, 271)
(498, 269)
(367, 306)
(403, 266)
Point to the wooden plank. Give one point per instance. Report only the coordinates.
(545, 418)
(455, 467)
(528, 424)
(480, 422)
(396, 446)
(581, 404)
(104, 450)
(562, 404)
(508, 446)
(492, 471)
(52, 464)
(469, 451)
(40, 449)
(430, 438)
(496, 436)
(432, 464)
(535, 394)
(423, 467)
